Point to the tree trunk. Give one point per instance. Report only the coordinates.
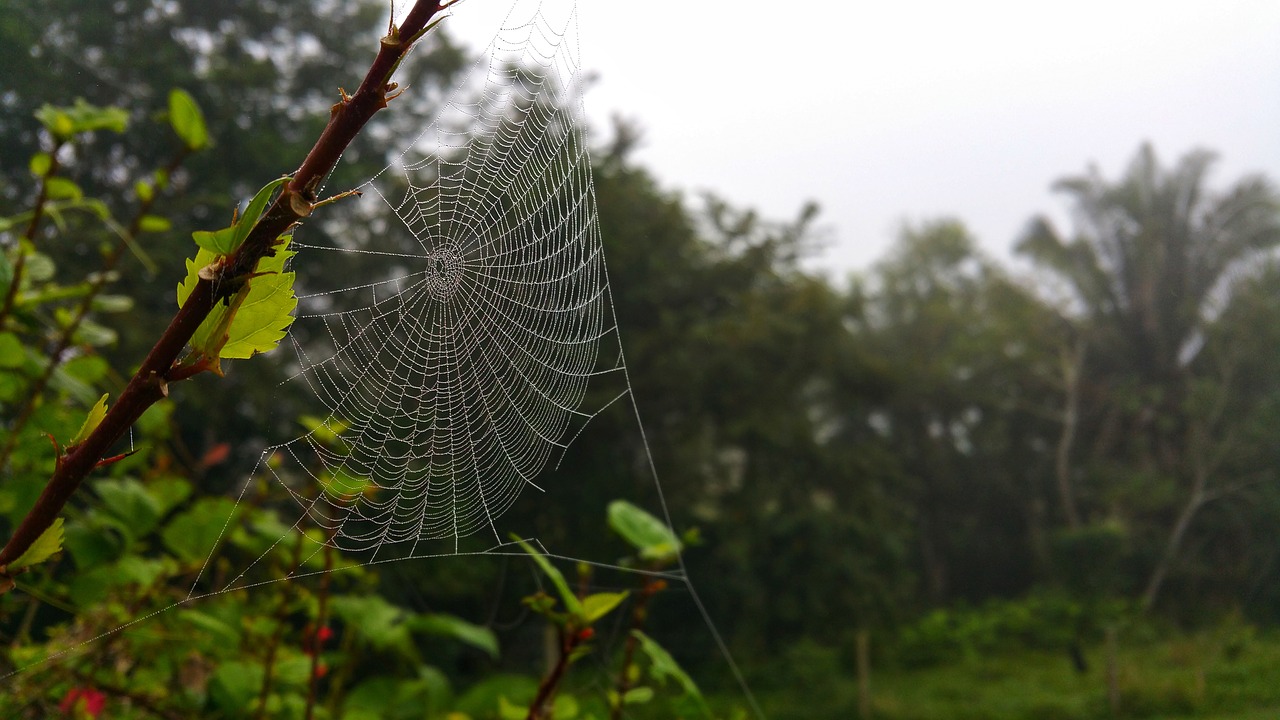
(1174, 544)
(1071, 368)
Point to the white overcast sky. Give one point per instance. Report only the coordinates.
(891, 111)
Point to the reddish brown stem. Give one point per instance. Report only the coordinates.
(652, 586)
(150, 383)
(322, 619)
(547, 688)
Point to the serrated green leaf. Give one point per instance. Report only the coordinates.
(570, 600)
(154, 223)
(265, 314)
(187, 120)
(49, 542)
(644, 532)
(253, 321)
(598, 605)
(40, 164)
(60, 188)
(202, 259)
(96, 413)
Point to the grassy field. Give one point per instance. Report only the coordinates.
(1197, 676)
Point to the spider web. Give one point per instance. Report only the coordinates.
(450, 382)
(454, 367)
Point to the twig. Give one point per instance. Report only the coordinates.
(569, 640)
(150, 383)
(322, 617)
(37, 214)
(639, 614)
(82, 311)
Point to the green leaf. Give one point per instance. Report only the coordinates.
(142, 571)
(112, 303)
(570, 600)
(12, 354)
(49, 542)
(96, 413)
(663, 666)
(144, 190)
(95, 334)
(211, 625)
(326, 430)
(87, 369)
(383, 625)
(598, 605)
(253, 321)
(265, 314)
(342, 485)
(40, 267)
(637, 696)
(191, 535)
(40, 164)
(6, 267)
(60, 188)
(154, 223)
(453, 627)
(187, 120)
(235, 685)
(128, 500)
(218, 242)
(508, 710)
(82, 117)
(646, 533)
(91, 546)
(565, 707)
(254, 210)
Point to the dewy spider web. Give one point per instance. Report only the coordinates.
(457, 375)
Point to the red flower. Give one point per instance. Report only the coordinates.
(324, 634)
(82, 701)
(586, 634)
(321, 670)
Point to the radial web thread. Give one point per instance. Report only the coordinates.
(452, 377)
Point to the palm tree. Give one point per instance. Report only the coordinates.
(1153, 262)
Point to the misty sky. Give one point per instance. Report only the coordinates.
(885, 112)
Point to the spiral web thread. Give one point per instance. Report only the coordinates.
(460, 373)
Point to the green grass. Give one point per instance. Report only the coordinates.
(1202, 677)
